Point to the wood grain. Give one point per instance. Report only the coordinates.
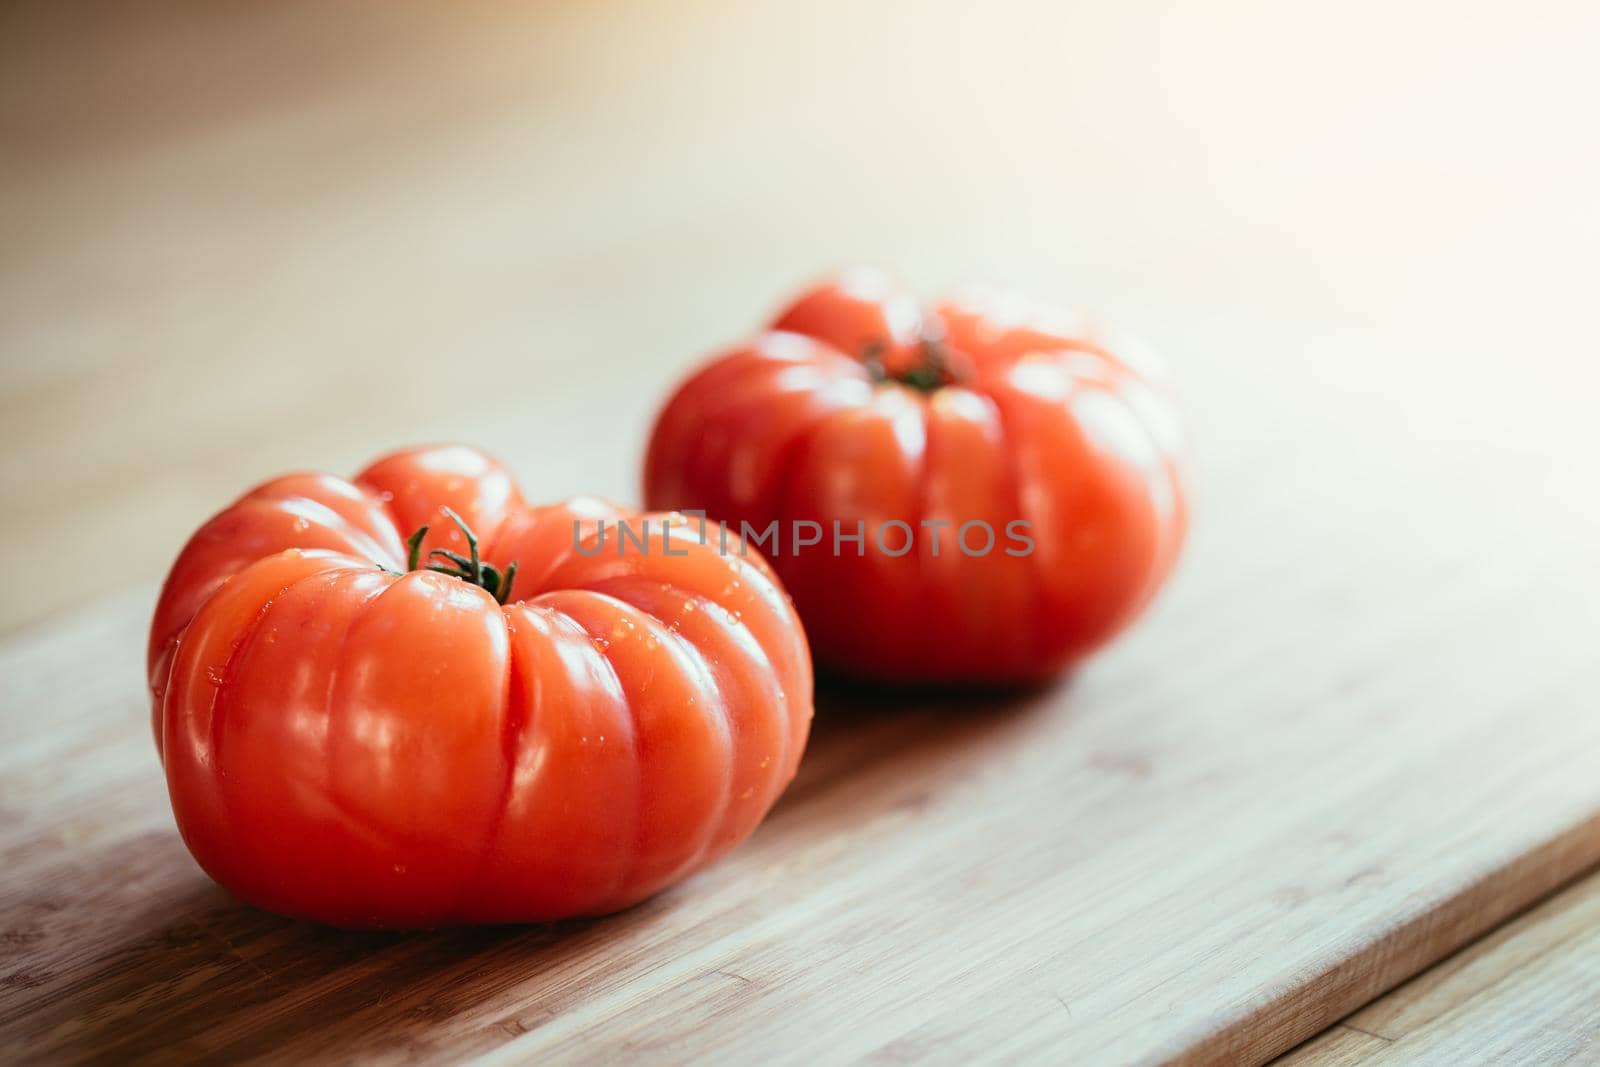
(1523, 995)
(1358, 731)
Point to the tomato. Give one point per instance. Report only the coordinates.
(351, 736)
(981, 491)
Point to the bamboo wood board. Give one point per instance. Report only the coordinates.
(1526, 994)
(1266, 807)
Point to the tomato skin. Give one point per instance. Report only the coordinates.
(363, 747)
(862, 313)
(1027, 416)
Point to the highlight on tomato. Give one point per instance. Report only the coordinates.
(980, 491)
(412, 699)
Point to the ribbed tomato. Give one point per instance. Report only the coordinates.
(982, 491)
(357, 730)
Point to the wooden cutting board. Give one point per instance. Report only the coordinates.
(1361, 727)
(1525, 994)
(1330, 758)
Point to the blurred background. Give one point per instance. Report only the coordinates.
(237, 239)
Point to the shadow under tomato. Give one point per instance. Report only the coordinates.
(168, 967)
(210, 979)
(864, 728)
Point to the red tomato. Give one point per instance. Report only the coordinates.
(353, 737)
(1013, 472)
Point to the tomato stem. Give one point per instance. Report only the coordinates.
(470, 568)
(414, 546)
(933, 372)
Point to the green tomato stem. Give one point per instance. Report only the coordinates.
(470, 569)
